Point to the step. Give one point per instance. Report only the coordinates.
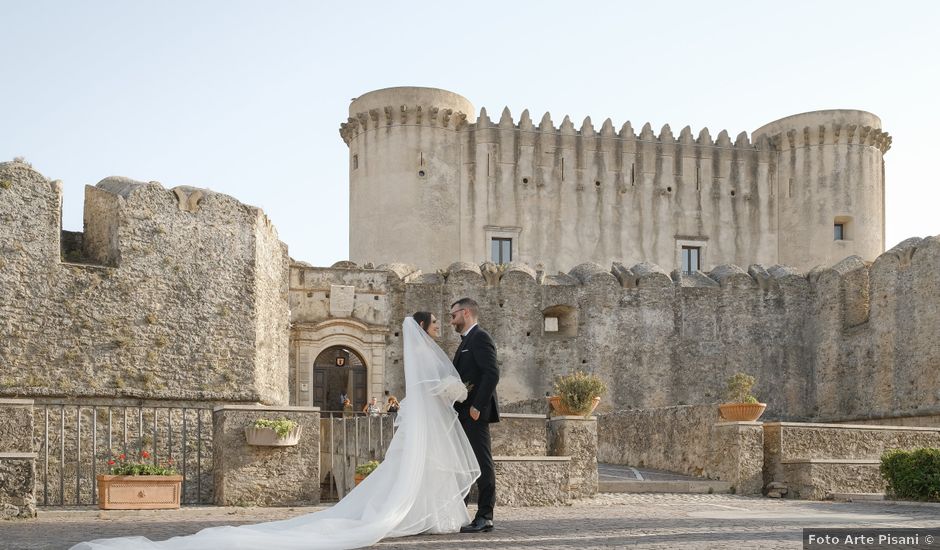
(858, 497)
(684, 487)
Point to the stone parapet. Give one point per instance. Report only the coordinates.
(16, 427)
(736, 454)
(689, 440)
(247, 475)
(531, 480)
(17, 459)
(17, 482)
(815, 460)
(520, 435)
(576, 437)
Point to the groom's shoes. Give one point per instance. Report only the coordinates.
(478, 525)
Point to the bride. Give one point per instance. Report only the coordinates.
(419, 487)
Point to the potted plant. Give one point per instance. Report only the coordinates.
(365, 469)
(144, 484)
(273, 433)
(577, 394)
(741, 405)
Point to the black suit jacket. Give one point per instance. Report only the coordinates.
(475, 361)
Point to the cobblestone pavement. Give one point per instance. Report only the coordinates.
(606, 521)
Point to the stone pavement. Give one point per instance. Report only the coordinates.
(606, 521)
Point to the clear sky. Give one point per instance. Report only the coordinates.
(246, 98)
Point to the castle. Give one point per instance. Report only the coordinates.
(185, 295)
(431, 183)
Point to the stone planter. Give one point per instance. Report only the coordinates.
(138, 492)
(269, 438)
(741, 412)
(559, 409)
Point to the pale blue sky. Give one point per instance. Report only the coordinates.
(246, 98)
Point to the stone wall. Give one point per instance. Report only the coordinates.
(812, 460)
(848, 342)
(690, 440)
(248, 475)
(176, 294)
(17, 459)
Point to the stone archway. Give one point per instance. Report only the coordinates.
(339, 372)
(310, 340)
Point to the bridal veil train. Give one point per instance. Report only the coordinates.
(419, 487)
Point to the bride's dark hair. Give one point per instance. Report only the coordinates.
(423, 318)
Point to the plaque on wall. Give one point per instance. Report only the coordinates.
(341, 300)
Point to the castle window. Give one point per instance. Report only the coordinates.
(501, 250)
(355, 162)
(560, 321)
(842, 228)
(691, 259)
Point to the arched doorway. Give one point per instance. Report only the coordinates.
(339, 371)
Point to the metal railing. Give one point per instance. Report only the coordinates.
(75, 442)
(348, 440)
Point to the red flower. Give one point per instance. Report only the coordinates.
(144, 454)
(122, 456)
(111, 463)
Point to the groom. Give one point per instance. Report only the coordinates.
(475, 361)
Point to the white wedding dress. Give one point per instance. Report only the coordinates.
(419, 487)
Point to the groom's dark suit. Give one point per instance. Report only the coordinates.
(475, 361)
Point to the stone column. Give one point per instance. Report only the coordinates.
(248, 475)
(17, 459)
(736, 454)
(576, 436)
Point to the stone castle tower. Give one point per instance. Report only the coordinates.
(431, 183)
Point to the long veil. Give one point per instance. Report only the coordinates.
(419, 487)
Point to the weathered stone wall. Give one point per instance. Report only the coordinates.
(177, 294)
(690, 440)
(576, 437)
(459, 180)
(531, 481)
(17, 459)
(520, 435)
(813, 460)
(848, 342)
(248, 475)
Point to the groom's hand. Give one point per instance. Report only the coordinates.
(474, 413)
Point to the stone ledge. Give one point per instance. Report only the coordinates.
(264, 408)
(830, 461)
(858, 497)
(18, 455)
(680, 486)
(739, 423)
(588, 419)
(523, 415)
(17, 402)
(876, 427)
(531, 459)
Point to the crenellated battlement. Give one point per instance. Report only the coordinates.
(401, 115)
(773, 196)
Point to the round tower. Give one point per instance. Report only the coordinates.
(404, 175)
(829, 184)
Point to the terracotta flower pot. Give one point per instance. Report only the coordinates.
(561, 410)
(138, 492)
(741, 412)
